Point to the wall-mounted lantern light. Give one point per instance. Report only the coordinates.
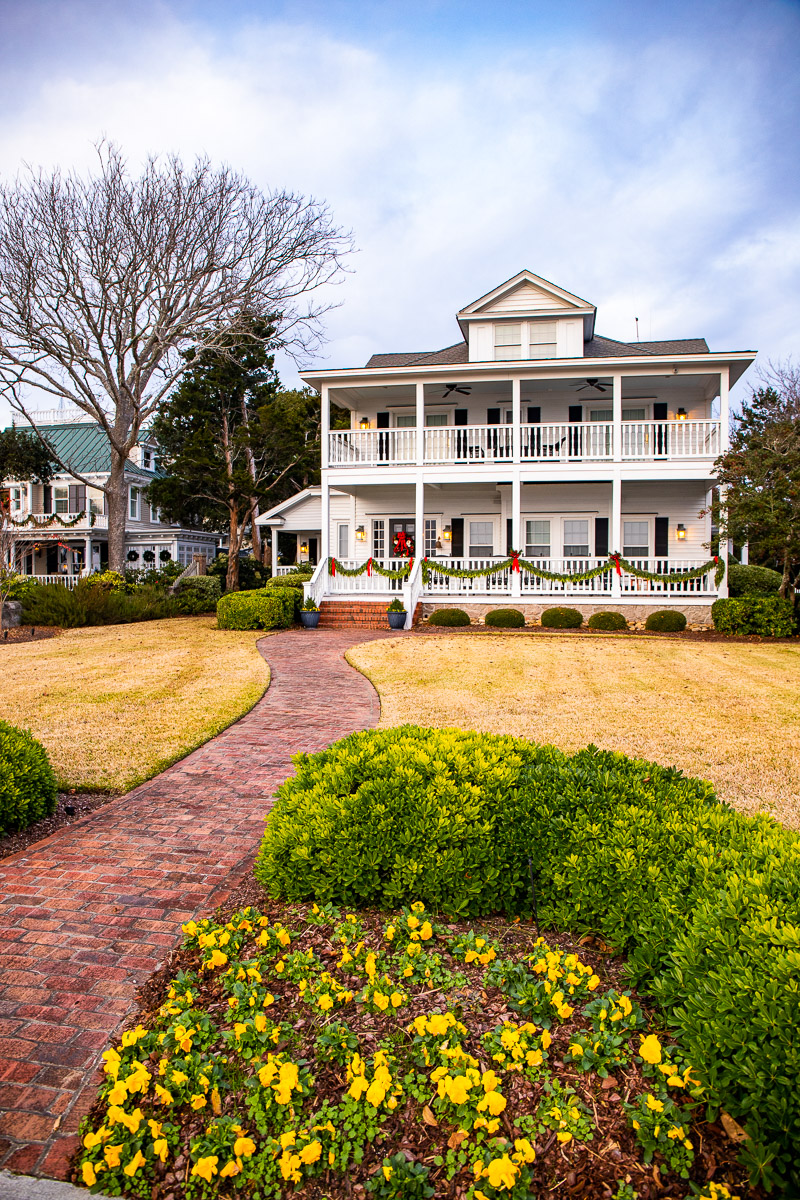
(361, 534)
(447, 533)
(364, 423)
(304, 547)
(682, 414)
(681, 532)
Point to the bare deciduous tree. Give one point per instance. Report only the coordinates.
(105, 279)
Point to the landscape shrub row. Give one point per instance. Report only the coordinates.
(108, 599)
(27, 783)
(747, 580)
(767, 616)
(704, 902)
(262, 608)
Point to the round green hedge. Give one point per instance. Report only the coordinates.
(505, 618)
(666, 620)
(747, 580)
(28, 789)
(295, 580)
(607, 620)
(562, 618)
(449, 616)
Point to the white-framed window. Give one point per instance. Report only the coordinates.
(147, 458)
(435, 419)
(133, 503)
(17, 497)
(343, 541)
(378, 539)
(636, 539)
(507, 342)
(60, 499)
(481, 539)
(430, 536)
(406, 420)
(542, 339)
(628, 414)
(576, 537)
(537, 538)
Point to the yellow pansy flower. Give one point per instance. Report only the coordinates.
(206, 1167)
(650, 1049)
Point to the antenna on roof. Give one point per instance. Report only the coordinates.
(636, 319)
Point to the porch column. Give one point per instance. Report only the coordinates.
(420, 434)
(516, 515)
(724, 545)
(616, 531)
(516, 432)
(274, 549)
(325, 424)
(616, 412)
(419, 516)
(325, 522)
(87, 561)
(724, 410)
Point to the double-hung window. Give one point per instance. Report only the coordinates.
(16, 499)
(481, 539)
(60, 499)
(406, 420)
(378, 539)
(133, 504)
(542, 339)
(507, 342)
(636, 539)
(344, 541)
(576, 538)
(430, 537)
(537, 539)
(435, 419)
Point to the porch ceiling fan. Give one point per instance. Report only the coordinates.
(592, 383)
(456, 387)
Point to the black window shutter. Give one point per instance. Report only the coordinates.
(600, 537)
(382, 421)
(659, 412)
(509, 534)
(461, 416)
(534, 414)
(47, 499)
(662, 537)
(575, 412)
(77, 497)
(493, 416)
(457, 539)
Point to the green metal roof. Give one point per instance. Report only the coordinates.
(83, 447)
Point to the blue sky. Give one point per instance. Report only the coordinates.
(642, 155)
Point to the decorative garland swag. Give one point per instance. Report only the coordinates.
(615, 563)
(53, 519)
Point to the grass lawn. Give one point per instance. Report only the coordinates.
(116, 704)
(726, 712)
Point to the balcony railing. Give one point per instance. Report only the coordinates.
(564, 442)
(84, 525)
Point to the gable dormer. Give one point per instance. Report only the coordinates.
(526, 318)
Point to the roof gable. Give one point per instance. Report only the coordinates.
(525, 293)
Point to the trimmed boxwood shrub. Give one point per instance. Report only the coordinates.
(505, 618)
(607, 620)
(746, 580)
(705, 902)
(197, 594)
(769, 616)
(295, 579)
(449, 617)
(666, 620)
(259, 609)
(562, 618)
(27, 784)
(93, 603)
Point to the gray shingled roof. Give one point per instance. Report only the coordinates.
(598, 347)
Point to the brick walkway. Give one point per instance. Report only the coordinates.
(88, 913)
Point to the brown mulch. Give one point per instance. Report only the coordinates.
(580, 1171)
(82, 803)
(28, 633)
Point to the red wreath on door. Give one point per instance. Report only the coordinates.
(402, 546)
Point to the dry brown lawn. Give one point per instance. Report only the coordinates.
(115, 705)
(723, 711)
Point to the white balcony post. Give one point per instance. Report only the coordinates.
(724, 410)
(325, 425)
(616, 531)
(516, 433)
(616, 411)
(725, 546)
(325, 522)
(516, 525)
(420, 434)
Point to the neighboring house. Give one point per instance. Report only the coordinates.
(532, 432)
(62, 526)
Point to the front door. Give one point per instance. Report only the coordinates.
(402, 540)
(312, 551)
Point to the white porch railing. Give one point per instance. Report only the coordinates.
(287, 570)
(469, 443)
(346, 585)
(601, 585)
(574, 443)
(670, 439)
(84, 525)
(67, 581)
(452, 585)
(366, 447)
(632, 585)
(412, 592)
(315, 588)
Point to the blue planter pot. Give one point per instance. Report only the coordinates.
(397, 620)
(309, 620)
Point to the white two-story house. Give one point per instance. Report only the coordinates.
(531, 433)
(61, 528)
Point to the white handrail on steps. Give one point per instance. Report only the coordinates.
(412, 592)
(315, 588)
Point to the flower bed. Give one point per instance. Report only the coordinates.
(305, 1051)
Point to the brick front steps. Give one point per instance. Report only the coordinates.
(357, 614)
(89, 913)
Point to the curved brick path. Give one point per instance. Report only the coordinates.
(88, 913)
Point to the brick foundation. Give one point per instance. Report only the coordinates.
(697, 615)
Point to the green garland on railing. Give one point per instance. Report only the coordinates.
(52, 519)
(615, 563)
(336, 568)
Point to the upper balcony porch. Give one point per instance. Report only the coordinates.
(643, 420)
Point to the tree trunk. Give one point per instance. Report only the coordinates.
(234, 538)
(786, 582)
(256, 534)
(117, 504)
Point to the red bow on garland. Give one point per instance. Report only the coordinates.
(515, 560)
(616, 563)
(369, 567)
(333, 566)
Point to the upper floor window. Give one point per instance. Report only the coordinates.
(542, 336)
(147, 459)
(133, 507)
(60, 499)
(17, 494)
(507, 342)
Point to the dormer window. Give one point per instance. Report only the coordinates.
(542, 339)
(507, 342)
(147, 459)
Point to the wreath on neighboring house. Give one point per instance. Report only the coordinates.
(164, 555)
(133, 556)
(149, 556)
(402, 545)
